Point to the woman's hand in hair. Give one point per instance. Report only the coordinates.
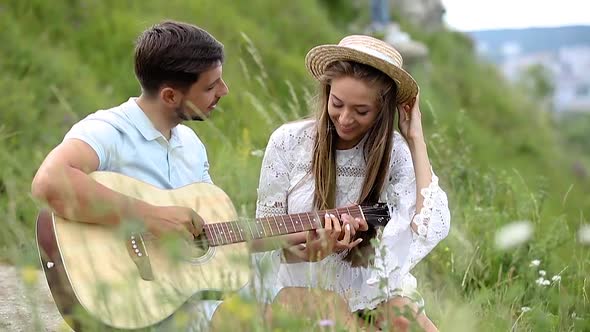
(410, 120)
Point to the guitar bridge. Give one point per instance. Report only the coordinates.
(139, 256)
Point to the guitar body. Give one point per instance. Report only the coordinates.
(123, 278)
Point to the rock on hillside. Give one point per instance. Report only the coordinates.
(427, 14)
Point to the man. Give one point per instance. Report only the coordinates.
(179, 68)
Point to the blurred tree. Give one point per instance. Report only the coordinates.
(538, 82)
(574, 128)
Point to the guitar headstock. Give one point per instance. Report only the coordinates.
(376, 215)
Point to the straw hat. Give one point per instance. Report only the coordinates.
(369, 51)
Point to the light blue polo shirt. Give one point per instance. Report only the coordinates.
(126, 142)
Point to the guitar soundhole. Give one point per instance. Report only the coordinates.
(201, 243)
(199, 248)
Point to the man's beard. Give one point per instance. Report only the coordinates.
(195, 115)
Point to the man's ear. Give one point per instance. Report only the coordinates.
(170, 97)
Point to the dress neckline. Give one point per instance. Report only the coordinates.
(355, 148)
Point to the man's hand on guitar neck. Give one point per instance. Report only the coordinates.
(165, 219)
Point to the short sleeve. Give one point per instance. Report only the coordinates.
(272, 200)
(400, 248)
(197, 151)
(206, 176)
(102, 138)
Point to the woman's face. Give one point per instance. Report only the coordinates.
(352, 107)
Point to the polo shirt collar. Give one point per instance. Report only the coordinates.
(145, 125)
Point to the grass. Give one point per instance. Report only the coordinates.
(499, 158)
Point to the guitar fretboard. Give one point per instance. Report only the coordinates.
(239, 231)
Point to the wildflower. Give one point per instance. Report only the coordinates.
(535, 262)
(181, 319)
(542, 281)
(29, 275)
(326, 322)
(514, 234)
(584, 234)
(542, 273)
(556, 278)
(525, 309)
(257, 153)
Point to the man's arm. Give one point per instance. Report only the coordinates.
(63, 183)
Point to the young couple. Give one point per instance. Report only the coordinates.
(350, 153)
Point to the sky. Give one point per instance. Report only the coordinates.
(465, 15)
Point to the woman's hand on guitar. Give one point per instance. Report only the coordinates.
(356, 224)
(179, 219)
(323, 242)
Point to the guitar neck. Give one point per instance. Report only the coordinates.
(229, 232)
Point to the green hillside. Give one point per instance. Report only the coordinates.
(499, 157)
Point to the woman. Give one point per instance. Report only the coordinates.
(351, 154)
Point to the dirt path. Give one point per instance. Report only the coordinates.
(26, 308)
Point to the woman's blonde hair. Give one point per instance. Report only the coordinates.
(376, 149)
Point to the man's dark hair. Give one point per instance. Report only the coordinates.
(175, 54)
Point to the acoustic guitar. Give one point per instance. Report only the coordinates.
(122, 277)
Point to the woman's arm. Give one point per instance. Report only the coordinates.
(417, 204)
(423, 172)
(410, 124)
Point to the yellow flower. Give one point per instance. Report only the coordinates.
(29, 274)
(181, 319)
(243, 310)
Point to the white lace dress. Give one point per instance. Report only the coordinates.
(286, 186)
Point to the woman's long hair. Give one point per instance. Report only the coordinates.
(376, 150)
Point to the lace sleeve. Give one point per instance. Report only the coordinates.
(400, 248)
(274, 178)
(272, 200)
(433, 222)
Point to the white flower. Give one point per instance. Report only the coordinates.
(584, 234)
(542, 281)
(525, 309)
(514, 234)
(556, 278)
(542, 273)
(257, 153)
(535, 262)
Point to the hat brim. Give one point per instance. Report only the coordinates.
(320, 57)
